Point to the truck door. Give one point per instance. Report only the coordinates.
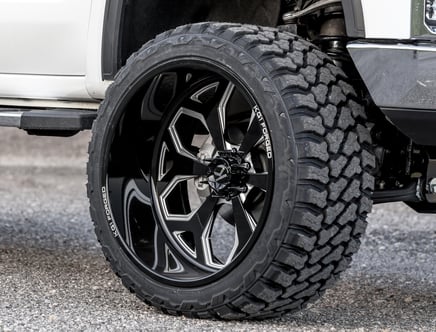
(45, 48)
(44, 37)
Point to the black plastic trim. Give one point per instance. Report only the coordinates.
(423, 207)
(57, 120)
(419, 125)
(354, 19)
(408, 194)
(112, 33)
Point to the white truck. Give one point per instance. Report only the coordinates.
(232, 165)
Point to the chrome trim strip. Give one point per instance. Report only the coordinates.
(10, 118)
(44, 103)
(404, 47)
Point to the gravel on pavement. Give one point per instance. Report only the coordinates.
(53, 276)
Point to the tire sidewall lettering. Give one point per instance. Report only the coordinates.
(108, 212)
(265, 132)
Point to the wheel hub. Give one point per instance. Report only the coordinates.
(227, 174)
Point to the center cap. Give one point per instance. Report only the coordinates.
(227, 174)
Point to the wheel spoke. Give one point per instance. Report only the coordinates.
(216, 119)
(165, 189)
(252, 137)
(168, 260)
(226, 213)
(204, 219)
(184, 164)
(135, 189)
(201, 218)
(197, 96)
(199, 226)
(151, 110)
(140, 189)
(215, 130)
(124, 192)
(174, 134)
(203, 250)
(186, 167)
(196, 222)
(160, 257)
(259, 180)
(244, 224)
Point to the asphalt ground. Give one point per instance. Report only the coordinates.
(53, 276)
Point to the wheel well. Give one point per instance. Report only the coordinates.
(131, 23)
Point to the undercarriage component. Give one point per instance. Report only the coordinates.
(402, 158)
(430, 14)
(431, 181)
(290, 17)
(411, 193)
(427, 202)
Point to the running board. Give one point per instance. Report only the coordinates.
(64, 122)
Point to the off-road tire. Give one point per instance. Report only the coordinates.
(322, 184)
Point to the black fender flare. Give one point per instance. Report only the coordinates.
(354, 19)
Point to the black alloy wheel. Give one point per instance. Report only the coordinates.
(194, 208)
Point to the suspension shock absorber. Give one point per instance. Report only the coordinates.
(333, 41)
(323, 23)
(333, 37)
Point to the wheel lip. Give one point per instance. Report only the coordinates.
(114, 114)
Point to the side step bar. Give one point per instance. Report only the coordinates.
(56, 122)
